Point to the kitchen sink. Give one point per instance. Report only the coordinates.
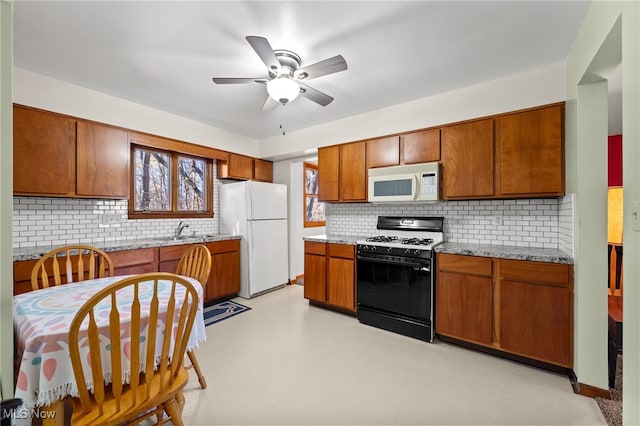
(186, 238)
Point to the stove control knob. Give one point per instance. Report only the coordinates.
(389, 249)
(364, 247)
(374, 248)
(407, 251)
(417, 252)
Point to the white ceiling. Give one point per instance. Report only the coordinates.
(163, 54)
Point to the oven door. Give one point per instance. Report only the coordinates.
(401, 287)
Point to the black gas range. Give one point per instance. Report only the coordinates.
(396, 275)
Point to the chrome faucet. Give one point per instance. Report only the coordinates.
(179, 229)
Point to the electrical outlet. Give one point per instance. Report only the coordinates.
(496, 220)
(634, 215)
(110, 218)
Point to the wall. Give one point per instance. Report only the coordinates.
(6, 189)
(290, 173)
(610, 34)
(520, 223)
(614, 160)
(535, 87)
(39, 91)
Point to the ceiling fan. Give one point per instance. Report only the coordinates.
(286, 79)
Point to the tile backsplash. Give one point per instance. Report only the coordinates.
(43, 221)
(543, 223)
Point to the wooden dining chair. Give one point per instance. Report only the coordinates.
(146, 341)
(71, 263)
(196, 263)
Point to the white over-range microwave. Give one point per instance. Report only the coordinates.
(415, 182)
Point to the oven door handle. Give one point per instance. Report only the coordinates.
(395, 262)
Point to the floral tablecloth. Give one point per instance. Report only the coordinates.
(41, 323)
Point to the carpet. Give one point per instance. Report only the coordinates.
(612, 408)
(221, 311)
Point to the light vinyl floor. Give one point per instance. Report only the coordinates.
(288, 363)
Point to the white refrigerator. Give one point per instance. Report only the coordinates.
(257, 211)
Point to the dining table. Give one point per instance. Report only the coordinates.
(41, 328)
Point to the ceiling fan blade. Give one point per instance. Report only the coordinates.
(225, 80)
(328, 66)
(269, 104)
(265, 52)
(315, 95)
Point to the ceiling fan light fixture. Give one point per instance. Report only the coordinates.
(283, 89)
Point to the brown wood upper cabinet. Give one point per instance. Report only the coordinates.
(409, 148)
(263, 170)
(383, 152)
(530, 153)
(73, 158)
(245, 168)
(467, 160)
(103, 160)
(420, 147)
(44, 153)
(329, 173)
(342, 172)
(515, 155)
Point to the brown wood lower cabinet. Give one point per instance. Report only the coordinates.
(224, 280)
(519, 307)
(138, 261)
(329, 275)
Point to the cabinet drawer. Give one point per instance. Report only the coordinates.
(345, 251)
(225, 246)
(465, 264)
(173, 252)
(311, 247)
(536, 272)
(124, 258)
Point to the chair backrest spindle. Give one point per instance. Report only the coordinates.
(48, 270)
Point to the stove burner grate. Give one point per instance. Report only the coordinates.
(417, 241)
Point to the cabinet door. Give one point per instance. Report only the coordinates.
(383, 152)
(315, 277)
(103, 161)
(467, 160)
(236, 167)
(22, 276)
(225, 275)
(44, 153)
(315, 272)
(535, 311)
(263, 170)
(420, 147)
(341, 283)
(328, 173)
(464, 307)
(353, 172)
(530, 152)
(240, 167)
(169, 257)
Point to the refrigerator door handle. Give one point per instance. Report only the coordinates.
(251, 238)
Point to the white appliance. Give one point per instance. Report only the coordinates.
(415, 182)
(257, 211)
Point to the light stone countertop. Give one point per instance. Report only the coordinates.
(33, 253)
(506, 252)
(334, 239)
(483, 250)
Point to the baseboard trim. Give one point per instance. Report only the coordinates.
(296, 279)
(587, 390)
